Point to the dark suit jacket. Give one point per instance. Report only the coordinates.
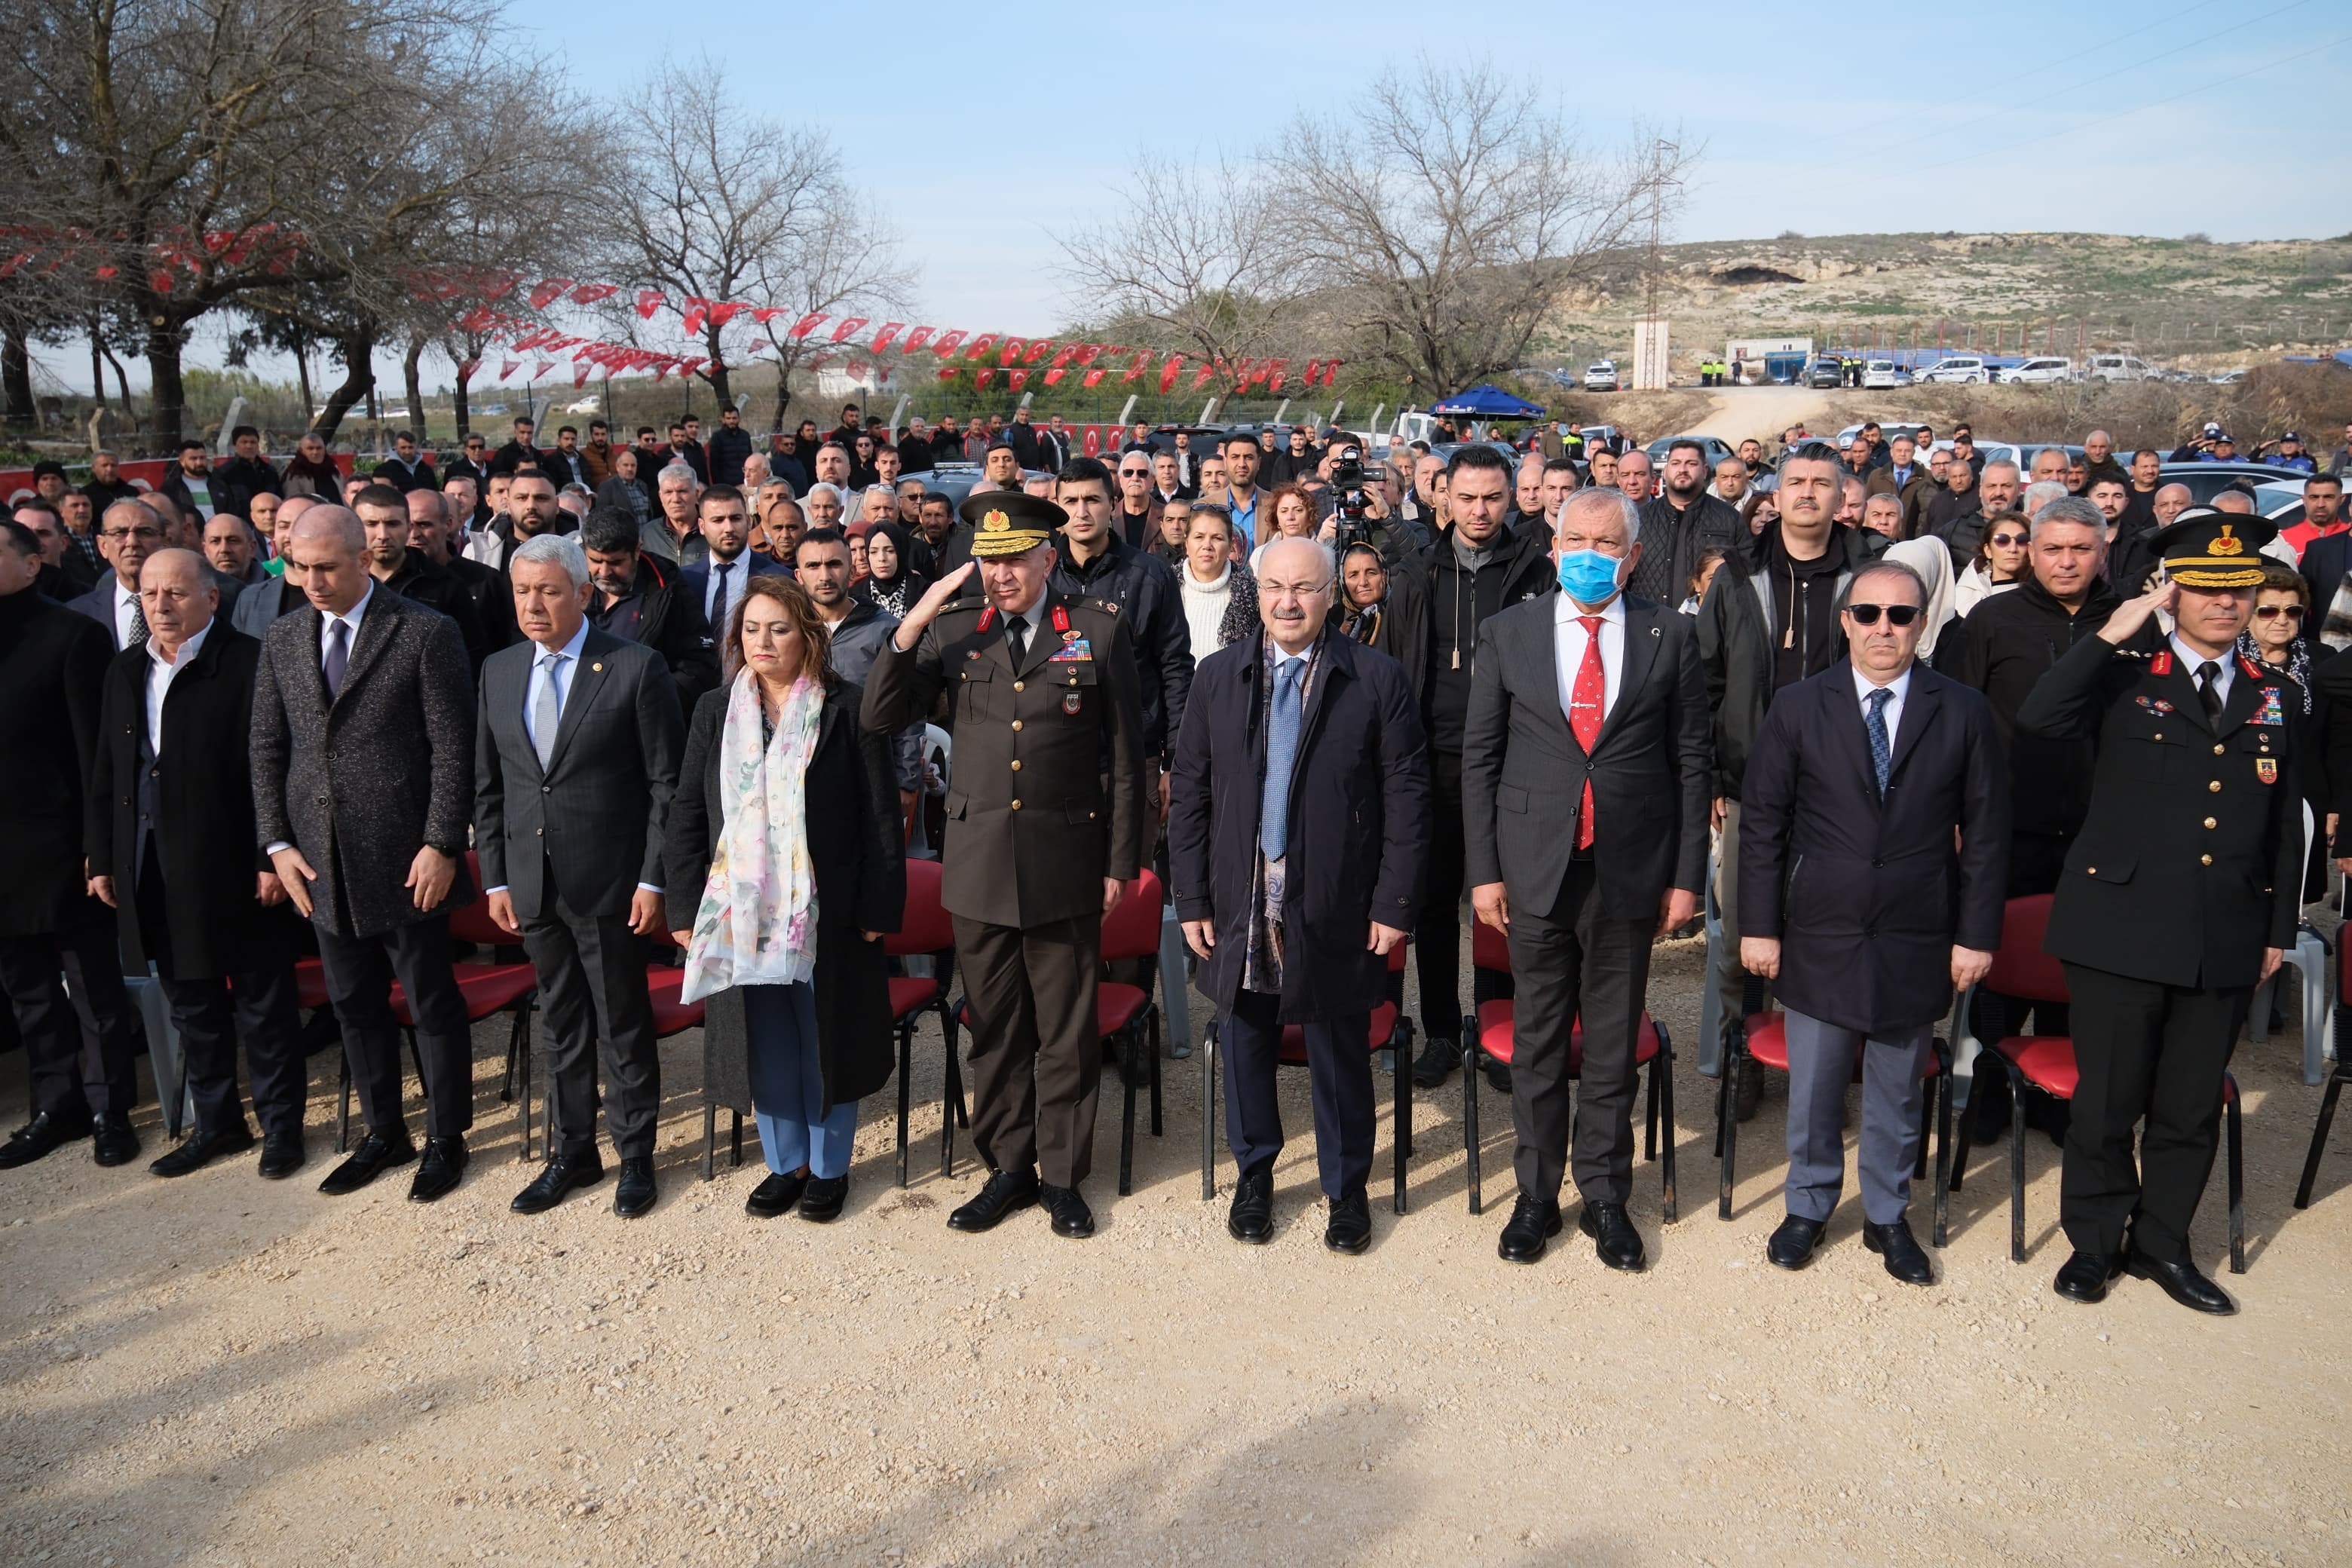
(362, 784)
(1868, 897)
(56, 664)
(1651, 768)
(694, 582)
(2324, 563)
(594, 817)
(204, 810)
(1359, 821)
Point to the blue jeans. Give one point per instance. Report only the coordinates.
(788, 1085)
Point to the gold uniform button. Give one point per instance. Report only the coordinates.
(1019, 686)
(2215, 787)
(2159, 735)
(2217, 751)
(1016, 805)
(2090, 870)
(2207, 859)
(1016, 724)
(1016, 768)
(2208, 821)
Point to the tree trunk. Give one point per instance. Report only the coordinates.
(97, 369)
(358, 356)
(715, 372)
(457, 402)
(303, 377)
(414, 383)
(166, 409)
(16, 373)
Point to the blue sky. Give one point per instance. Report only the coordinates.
(2023, 116)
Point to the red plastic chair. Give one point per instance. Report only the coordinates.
(2335, 1080)
(487, 989)
(926, 930)
(2021, 969)
(1127, 1015)
(1386, 1027)
(1491, 1026)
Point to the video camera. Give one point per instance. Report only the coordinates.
(1353, 513)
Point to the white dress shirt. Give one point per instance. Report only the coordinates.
(1035, 608)
(126, 607)
(159, 674)
(1567, 642)
(2191, 659)
(722, 593)
(540, 675)
(1901, 687)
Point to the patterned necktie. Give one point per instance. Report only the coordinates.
(339, 655)
(1281, 752)
(546, 711)
(1882, 749)
(1585, 701)
(2209, 693)
(719, 596)
(138, 624)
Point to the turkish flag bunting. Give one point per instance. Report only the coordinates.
(1314, 371)
(1094, 376)
(1063, 355)
(915, 340)
(1012, 348)
(945, 347)
(697, 310)
(1331, 371)
(1053, 377)
(1017, 379)
(498, 285)
(723, 312)
(1135, 366)
(947, 372)
(1089, 352)
(980, 345)
(848, 325)
(686, 367)
(1037, 350)
(648, 302)
(544, 366)
(507, 367)
(1280, 373)
(588, 293)
(1200, 376)
(544, 293)
(806, 324)
(580, 372)
(1169, 371)
(983, 377)
(764, 314)
(884, 333)
(466, 369)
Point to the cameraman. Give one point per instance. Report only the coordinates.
(1358, 510)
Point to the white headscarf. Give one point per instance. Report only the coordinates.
(1933, 562)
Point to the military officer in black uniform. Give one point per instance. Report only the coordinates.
(2179, 896)
(1047, 817)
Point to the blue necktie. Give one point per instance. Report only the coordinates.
(1281, 752)
(1882, 750)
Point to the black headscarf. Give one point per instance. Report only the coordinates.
(896, 593)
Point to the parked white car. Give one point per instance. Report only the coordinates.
(1958, 368)
(592, 403)
(1601, 375)
(2120, 367)
(1878, 376)
(2040, 371)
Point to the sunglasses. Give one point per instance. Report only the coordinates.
(2007, 541)
(1896, 615)
(2272, 612)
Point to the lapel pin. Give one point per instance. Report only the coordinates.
(598, 669)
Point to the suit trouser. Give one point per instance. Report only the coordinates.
(1339, 1080)
(257, 1001)
(1820, 1066)
(1037, 1056)
(591, 990)
(1730, 978)
(2147, 1052)
(360, 970)
(1437, 935)
(1569, 961)
(80, 1047)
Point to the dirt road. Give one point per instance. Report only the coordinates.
(220, 1371)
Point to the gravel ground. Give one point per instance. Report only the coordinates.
(224, 1370)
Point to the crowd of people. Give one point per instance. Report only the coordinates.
(666, 700)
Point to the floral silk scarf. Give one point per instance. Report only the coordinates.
(757, 924)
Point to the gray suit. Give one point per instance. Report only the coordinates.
(359, 783)
(99, 603)
(256, 610)
(571, 841)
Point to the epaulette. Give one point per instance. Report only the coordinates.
(2253, 670)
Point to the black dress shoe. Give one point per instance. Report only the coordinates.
(1349, 1228)
(200, 1149)
(370, 1158)
(1498, 1074)
(1792, 1243)
(1071, 1217)
(822, 1199)
(438, 1173)
(1905, 1258)
(2085, 1277)
(1005, 1193)
(1252, 1217)
(1751, 1093)
(1614, 1239)
(1436, 1062)
(1533, 1223)
(2183, 1283)
(773, 1197)
(40, 1136)
(632, 1197)
(111, 1140)
(282, 1154)
(557, 1180)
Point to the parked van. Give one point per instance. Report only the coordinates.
(2041, 370)
(2120, 367)
(1966, 368)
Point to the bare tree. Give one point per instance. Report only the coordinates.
(727, 207)
(1440, 219)
(1194, 256)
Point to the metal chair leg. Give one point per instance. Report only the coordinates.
(2016, 1172)
(1666, 1115)
(1727, 1124)
(2233, 1131)
(1403, 1090)
(1127, 1113)
(735, 1140)
(1650, 1115)
(1943, 1092)
(1469, 1112)
(2318, 1136)
(905, 1072)
(1926, 1122)
(709, 1138)
(1722, 1103)
(1208, 1111)
(1152, 1056)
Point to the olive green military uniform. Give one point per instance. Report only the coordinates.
(1047, 799)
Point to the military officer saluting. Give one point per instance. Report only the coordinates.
(1046, 815)
(2177, 899)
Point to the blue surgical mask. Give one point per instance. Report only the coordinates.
(1588, 577)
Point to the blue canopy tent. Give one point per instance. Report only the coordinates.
(1486, 402)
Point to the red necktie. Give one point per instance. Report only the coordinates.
(1584, 705)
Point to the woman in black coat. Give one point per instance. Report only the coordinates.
(802, 1053)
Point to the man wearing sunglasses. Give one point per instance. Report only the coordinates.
(1876, 819)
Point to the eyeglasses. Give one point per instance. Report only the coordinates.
(1896, 615)
(150, 534)
(2272, 612)
(2007, 541)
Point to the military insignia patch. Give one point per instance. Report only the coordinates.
(2266, 769)
(2227, 544)
(2161, 664)
(1070, 652)
(1072, 702)
(2270, 712)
